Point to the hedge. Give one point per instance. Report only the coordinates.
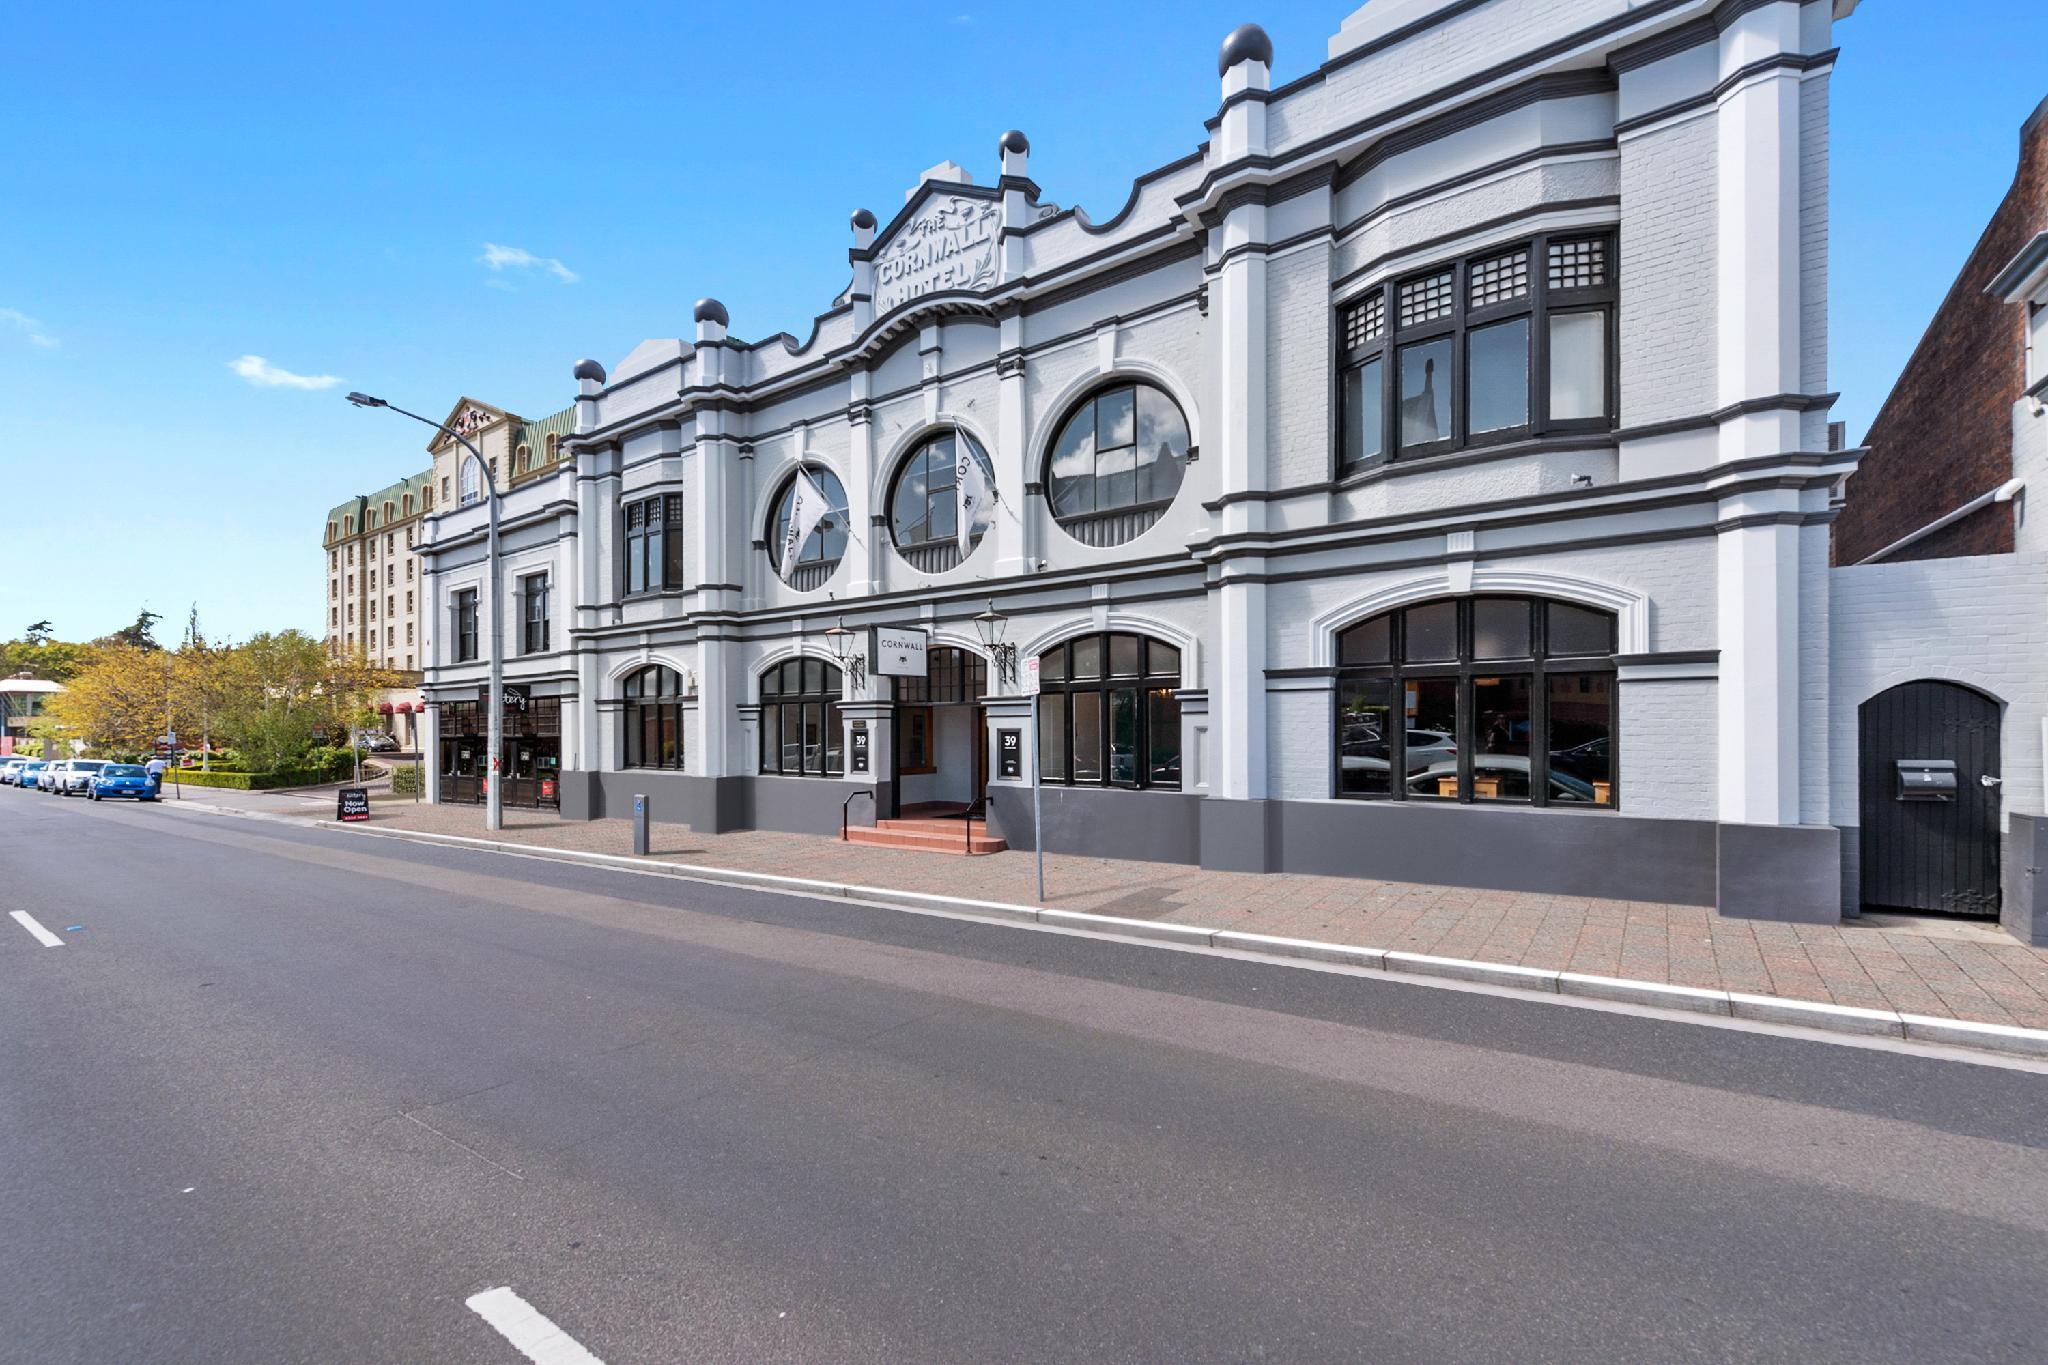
(243, 782)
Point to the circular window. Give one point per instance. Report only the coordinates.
(925, 505)
(820, 552)
(1116, 464)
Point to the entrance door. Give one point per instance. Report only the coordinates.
(1930, 854)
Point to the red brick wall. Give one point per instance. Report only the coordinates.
(1944, 434)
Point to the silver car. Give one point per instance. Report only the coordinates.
(76, 779)
(10, 771)
(46, 780)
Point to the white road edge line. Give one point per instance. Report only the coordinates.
(527, 1328)
(43, 936)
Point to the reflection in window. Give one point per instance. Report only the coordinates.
(652, 719)
(1478, 699)
(1123, 450)
(924, 508)
(800, 719)
(1484, 350)
(1109, 712)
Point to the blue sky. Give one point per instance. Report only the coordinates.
(321, 186)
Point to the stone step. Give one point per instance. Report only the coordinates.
(952, 840)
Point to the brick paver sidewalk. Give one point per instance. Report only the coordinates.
(1944, 968)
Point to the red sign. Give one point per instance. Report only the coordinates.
(547, 788)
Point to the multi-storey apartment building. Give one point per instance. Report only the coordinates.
(374, 589)
(1427, 478)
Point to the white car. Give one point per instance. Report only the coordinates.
(76, 777)
(10, 771)
(46, 780)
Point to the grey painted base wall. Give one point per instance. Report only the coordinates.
(2023, 906)
(715, 805)
(1752, 871)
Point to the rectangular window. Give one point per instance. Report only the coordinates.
(1497, 377)
(1426, 393)
(1087, 746)
(1365, 728)
(1578, 366)
(1123, 736)
(1052, 737)
(1364, 416)
(1162, 730)
(914, 739)
(1500, 739)
(1581, 739)
(465, 625)
(533, 593)
(1502, 346)
(654, 544)
(1429, 746)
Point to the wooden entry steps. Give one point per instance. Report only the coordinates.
(934, 834)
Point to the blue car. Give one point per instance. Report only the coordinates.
(30, 771)
(122, 779)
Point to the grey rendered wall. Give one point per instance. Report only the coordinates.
(1159, 827)
(1561, 853)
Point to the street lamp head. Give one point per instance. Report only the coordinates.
(839, 637)
(989, 624)
(363, 400)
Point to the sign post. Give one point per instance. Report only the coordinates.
(1030, 676)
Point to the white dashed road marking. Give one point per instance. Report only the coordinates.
(43, 936)
(520, 1323)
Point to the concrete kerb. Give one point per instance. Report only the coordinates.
(1766, 1009)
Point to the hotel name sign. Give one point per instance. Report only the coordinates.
(950, 245)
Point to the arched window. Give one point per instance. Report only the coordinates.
(1478, 699)
(522, 459)
(924, 504)
(652, 734)
(800, 719)
(553, 447)
(1108, 712)
(1116, 463)
(470, 479)
(819, 555)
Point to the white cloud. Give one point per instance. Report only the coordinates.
(497, 258)
(265, 375)
(28, 327)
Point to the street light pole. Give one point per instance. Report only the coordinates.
(494, 802)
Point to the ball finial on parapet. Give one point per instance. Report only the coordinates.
(1245, 43)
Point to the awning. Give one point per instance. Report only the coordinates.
(384, 708)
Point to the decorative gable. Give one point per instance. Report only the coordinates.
(944, 241)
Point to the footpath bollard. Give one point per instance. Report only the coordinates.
(640, 825)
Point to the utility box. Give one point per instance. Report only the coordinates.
(1926, 779)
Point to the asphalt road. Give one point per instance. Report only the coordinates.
(292, 1095)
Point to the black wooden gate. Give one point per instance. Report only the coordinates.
(1929, 854)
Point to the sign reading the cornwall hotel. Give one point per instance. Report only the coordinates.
(951, 245)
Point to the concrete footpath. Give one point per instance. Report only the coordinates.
(1933, 969)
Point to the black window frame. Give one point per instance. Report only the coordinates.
(1541, 301)
(1539, 665)
(654, 693)
(813, 687)
(533, 615)
(1137, 508)
(651, 543)
(1055, 679)
(465, 609)
(922, 452)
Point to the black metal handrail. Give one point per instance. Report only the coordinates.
(844, 806)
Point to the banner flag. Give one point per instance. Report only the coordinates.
(807, 507)
(970, 482)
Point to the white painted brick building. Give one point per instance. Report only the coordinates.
(1467, 521)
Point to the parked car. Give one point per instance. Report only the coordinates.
(78, 776)
(46, 780)
(11, 770)
(28, 773)
(377, 742)
(1506, 774)
(115, 780)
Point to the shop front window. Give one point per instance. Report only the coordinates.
(800, 719)
(1483, 699)
(651, 724)
(1109, 712)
